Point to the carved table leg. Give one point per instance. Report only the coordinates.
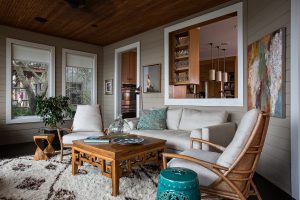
(160, 159)
(115, 178)
(74, 162)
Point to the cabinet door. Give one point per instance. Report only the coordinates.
(132, 68)
(194, 70)
(125, 68)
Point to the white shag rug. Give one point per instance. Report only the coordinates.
(24, 178)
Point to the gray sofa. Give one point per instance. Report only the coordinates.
(184, 123)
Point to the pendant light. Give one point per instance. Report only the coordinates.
(225, 74)
(219, 73)
(212, 71)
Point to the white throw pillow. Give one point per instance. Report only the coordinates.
(87, 118)
(173, 118)
(194, 119)
(240, 139)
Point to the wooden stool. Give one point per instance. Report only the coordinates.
(43, 154)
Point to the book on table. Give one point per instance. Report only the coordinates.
(96, 139)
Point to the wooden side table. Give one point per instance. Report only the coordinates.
(46, 153)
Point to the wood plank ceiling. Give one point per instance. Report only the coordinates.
(100, 22)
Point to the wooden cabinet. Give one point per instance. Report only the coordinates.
(184, 57)
(229, 87)
(177, 91)
(128, 71)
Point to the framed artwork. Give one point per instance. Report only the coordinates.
(266, 74)
(152, 78)
(108, 87)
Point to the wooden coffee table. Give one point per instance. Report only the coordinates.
(117, 160)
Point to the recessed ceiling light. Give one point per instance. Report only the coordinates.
(41, 19)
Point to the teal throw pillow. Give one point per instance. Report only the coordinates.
(153, 119)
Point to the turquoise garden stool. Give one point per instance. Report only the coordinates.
(178, 183)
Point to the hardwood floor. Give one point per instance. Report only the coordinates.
(267, 189)
(14, 150)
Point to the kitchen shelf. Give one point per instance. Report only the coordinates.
(187, 43)
(182, 46)
(182, 57)
(182, 69)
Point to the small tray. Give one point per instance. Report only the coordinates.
(128, 141)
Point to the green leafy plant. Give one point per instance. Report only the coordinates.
(53, 110)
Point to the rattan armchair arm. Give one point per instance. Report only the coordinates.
(219, 147)
(68, 130)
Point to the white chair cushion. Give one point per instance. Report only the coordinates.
(240, 139)
(205, 176)
(176, 139)
(87, 118)
(194, 119)
(69, 138)
(173, 118)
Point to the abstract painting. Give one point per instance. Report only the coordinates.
(151, 78)
(266, 74)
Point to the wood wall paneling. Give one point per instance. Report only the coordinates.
(98, 22)
(273, 165)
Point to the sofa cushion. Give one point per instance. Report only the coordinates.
(240, 139)
(176, 139)
(69, 138)
(194, 119)
(173, 118)
(87, 118)
(205, 176)
(153, 119)
(132, 122)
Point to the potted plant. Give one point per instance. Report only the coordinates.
(53, 111)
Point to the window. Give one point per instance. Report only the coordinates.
(193, 72)
(79, 77)
(30, 72)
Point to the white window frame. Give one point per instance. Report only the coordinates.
(240, 41)
(94, 69)
(51, 78)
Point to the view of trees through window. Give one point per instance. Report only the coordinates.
(29, 79)
(79, 84)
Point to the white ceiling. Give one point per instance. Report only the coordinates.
(224, 31)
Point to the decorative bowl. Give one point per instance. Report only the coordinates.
(128, 141)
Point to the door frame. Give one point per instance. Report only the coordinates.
(295, 99)
(117, 76)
